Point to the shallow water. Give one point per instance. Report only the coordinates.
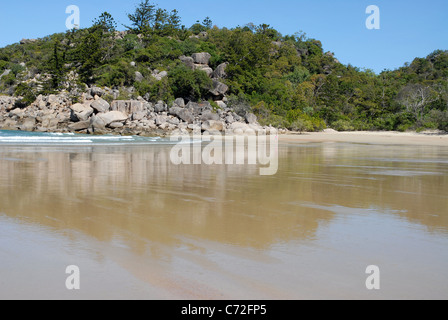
(140, 227)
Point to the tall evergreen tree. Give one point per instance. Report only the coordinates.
(143, 18)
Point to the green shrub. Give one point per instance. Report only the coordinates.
(299, 75)
(342, 125)
(188, 83)
(275, 121)
(404, 127)
(161, 90)
(239, 104)
(3, 65)
(301, 125)
(443, 122)
(143, 87)
(26, 92)
(9, 79)
(16, 69)
(384, 123)
(437, 119)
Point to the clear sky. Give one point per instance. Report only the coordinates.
(408, 28)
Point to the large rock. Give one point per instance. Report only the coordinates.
(95, 91)
(80, 112)
(112, 116)
(159, 75)
(139, 115)
(100, 105)
(239, 126)
(230, 119)
(221, 104)
(219, 88)
(160, 107)
(188, 61)
(9, 124)
(53, 99)
(78, 126)
(251, 118)
(116, 125)
(28, 124)
(97, 123)
(220, 71)
(180, 102)
(161, 120)
(194, 108)
(209, 115)
(201, 58)
(212, 125)
(129, 107)
(7, 103)
(183, 114)
(205, 68)
(138, 76)
(27, 41)
(5, 73)
(17, 112)
(50, 122)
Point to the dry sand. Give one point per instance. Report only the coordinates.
(397, 138)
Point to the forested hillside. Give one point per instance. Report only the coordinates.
(286, 80)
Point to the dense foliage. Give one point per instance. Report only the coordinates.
(288, 81)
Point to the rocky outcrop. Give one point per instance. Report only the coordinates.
(220, 71)
(201, 58)
(27, 41)
(100, 105)
(200, 61)
(7, 103)
(81, 112)
(95, 115)
(159, 75)
(112, 117)
(129, 107)
(219, 89)
(188, 61)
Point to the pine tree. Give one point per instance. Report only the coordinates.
(143, 18)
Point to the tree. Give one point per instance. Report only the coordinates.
(188, 83)
(90, 53)
(174, 21)
(143, 18)
(161, 21)
(416, 98)
(207, 23)
(56, 67)
(197, 28)
(106, 21)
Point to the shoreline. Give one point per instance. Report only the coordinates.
(429, 138)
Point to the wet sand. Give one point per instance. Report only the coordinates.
(140, 227)
(370, 137)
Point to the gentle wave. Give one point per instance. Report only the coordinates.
(48, 139)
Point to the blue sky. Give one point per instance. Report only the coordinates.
(409, 28)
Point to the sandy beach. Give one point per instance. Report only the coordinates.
(139, 226)
(370, 137)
